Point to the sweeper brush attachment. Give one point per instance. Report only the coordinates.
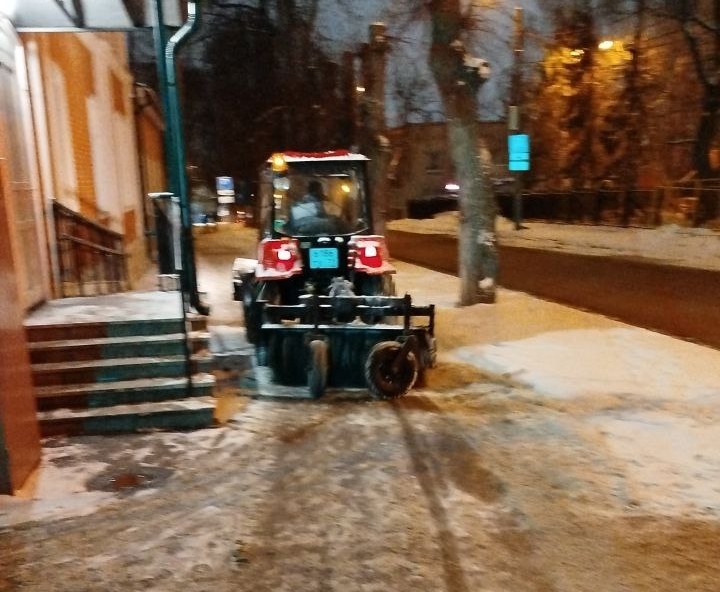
(322, 342)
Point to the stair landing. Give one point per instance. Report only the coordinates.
(124, 306)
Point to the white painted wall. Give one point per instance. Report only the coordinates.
(61, 148)
(112, 137)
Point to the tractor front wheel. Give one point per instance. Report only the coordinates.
(386, 376)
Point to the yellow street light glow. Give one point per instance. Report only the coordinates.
(345, 187)
(576, 53)
(360, 89)
(606, 44)
(278, 163)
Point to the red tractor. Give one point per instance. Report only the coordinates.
(319, 302)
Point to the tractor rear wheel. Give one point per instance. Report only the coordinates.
(384, 381)
(318, 370)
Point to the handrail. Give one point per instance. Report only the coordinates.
(61, 209)
(90, 244)
(91, 257)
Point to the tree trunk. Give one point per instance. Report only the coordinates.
(375, 143)
(458, 84)
(706, 130)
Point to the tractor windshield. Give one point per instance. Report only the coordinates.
(312, 200)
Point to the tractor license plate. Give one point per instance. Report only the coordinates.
(323, 258)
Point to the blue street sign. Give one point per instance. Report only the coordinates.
(224, 185)
(518, 152)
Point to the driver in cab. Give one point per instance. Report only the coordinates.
(309, 215)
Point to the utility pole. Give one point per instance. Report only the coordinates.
(514, 111)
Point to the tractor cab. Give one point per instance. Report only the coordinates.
(315, 232)
(314, 194)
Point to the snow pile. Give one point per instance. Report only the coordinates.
(653, 399)
(671, 244)
(672, 462)
(622, 361)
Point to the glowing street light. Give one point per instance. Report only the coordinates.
(606, 44)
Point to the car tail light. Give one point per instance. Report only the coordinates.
(279, 257)
(371, 254)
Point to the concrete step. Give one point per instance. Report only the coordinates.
(190, 413)
(89, 371)
(100, 329)
(125, 392)
(103, 348)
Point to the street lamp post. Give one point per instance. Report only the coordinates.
(514, 111)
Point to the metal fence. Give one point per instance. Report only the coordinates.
(91, 257)
(691, 204)
(641, 208)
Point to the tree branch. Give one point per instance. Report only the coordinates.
(694, 47)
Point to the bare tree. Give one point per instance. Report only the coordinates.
(271, 85)
(459, 76)
(412, 92)
(699, 24)
(690, 31)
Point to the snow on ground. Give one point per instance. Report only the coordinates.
(623, 361)
(671, 244)
(672, 460)
(57, 489)
(654, 401)
(662, 395)
(69, 481)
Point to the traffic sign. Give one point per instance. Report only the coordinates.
(224, 186)
(518, 152)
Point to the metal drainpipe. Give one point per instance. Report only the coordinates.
(188, 277)
(175, 152)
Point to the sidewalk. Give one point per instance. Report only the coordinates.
(551, 449)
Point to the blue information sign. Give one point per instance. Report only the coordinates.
(519, 152)
(224, 185)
